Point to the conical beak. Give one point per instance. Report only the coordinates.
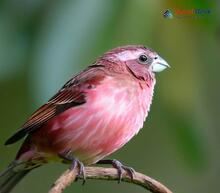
(159, 64)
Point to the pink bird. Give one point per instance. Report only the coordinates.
(94, 114)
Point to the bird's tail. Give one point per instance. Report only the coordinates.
(11, 176)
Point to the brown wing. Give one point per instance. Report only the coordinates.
(72, 94)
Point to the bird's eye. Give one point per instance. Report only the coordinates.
(143, 59)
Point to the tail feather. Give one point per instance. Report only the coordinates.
(11, 176)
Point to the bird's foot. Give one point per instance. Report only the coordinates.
(81, 166)
(120, 167)
(67, 156)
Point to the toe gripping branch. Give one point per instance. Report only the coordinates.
(120, 167)
(68, 157)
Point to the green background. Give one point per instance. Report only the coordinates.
(42, 43)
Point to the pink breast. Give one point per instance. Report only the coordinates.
(109, 119)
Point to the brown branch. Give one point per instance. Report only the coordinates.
(100, 173)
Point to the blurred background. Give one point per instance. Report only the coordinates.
(43, 42)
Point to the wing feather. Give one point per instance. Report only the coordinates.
(72, 94)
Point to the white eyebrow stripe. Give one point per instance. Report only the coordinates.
(128, 55)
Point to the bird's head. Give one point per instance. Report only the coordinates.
(139, 60)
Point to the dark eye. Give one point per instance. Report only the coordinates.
(143, 58)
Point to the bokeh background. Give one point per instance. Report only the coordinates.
(44, 42)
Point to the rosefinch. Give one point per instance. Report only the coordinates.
(94, 114)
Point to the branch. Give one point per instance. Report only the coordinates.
(99, 173)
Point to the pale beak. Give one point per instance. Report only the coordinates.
(159, 64)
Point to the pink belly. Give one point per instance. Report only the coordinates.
(89, 134)
(95, 129)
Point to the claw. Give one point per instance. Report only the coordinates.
(130, 171)
(82, 172)
(75, 163)
(120, 167)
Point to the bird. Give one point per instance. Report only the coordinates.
(94, 114)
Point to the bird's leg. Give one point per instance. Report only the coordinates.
(119, 166)
(67, 156)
